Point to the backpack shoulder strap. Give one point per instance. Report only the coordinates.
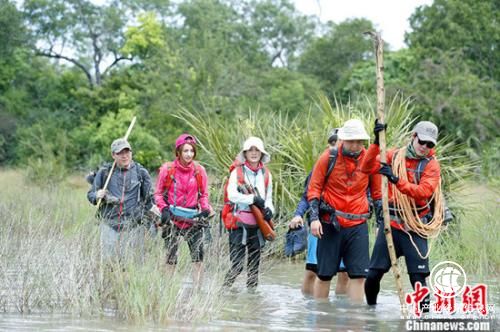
(420, 168)
(266, 177)
(332, 160)
(170, 177)
(240, 177)
(106, 169)
(199, 177)
(139, 172)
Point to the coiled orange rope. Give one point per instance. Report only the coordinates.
(408, 210)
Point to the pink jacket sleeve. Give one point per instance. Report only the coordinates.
(160, 186)
(204, 204)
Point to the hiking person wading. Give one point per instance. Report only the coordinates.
(312, 241)
(339, 211)
(423, 179)
(246, 237)
(182, 196)
(124, 203)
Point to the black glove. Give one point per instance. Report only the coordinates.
(377, 129)
(165, 216)
(387, 171)
(204, 214)
(268, 214)
(259, 202)
(314, 209)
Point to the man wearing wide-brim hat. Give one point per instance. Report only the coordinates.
(339, 211)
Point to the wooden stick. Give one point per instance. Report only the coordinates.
(379, 59)
(127, 134)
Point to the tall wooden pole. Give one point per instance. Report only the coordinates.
(127, 134)
(379, 59)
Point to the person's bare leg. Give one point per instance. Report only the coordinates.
(356, 290)
(342, 283)
(308, 283)
(321, 289)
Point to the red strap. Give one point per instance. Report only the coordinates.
(240, 177)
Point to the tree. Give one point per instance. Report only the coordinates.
(468, 26)
(77, 31)
(331, 57)
(464, 105)
(281, 30)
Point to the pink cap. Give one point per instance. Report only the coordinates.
(183, 139)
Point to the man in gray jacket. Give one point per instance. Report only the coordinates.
(124, 203)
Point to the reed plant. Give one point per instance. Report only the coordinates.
(51, 262)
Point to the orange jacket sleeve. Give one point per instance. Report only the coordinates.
(429, 181)
(370, 163)
(318, 176)
(376, 186)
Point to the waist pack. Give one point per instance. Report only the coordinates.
(182, 212)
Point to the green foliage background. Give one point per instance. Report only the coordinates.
(74, 73)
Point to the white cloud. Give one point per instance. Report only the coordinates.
(389, 16)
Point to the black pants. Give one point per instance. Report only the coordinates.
(193, 236)
(237, 252)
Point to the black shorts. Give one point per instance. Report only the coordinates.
(350, 244)
(193, 236)
(402, 244)
(312, 267)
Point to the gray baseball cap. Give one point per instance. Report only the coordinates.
(426, 131)
(120, 144)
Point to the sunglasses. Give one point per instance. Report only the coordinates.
(429, 144)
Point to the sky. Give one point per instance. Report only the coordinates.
(390, 17)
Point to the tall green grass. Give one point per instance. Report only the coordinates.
(49, 245)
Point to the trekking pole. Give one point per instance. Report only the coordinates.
(379, 60)
(114, 163)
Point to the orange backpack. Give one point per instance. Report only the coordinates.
(228, 214)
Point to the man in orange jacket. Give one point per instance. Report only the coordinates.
(423, 173)
(339, 211)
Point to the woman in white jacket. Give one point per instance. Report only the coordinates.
(252, 172)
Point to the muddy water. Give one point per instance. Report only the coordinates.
(277, 305)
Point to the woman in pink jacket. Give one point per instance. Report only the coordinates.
(181, 195)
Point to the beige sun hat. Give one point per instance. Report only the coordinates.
(257, 142)
(353, 129)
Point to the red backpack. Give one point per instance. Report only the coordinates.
(228, 216)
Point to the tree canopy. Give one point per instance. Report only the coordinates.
(72, 70)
